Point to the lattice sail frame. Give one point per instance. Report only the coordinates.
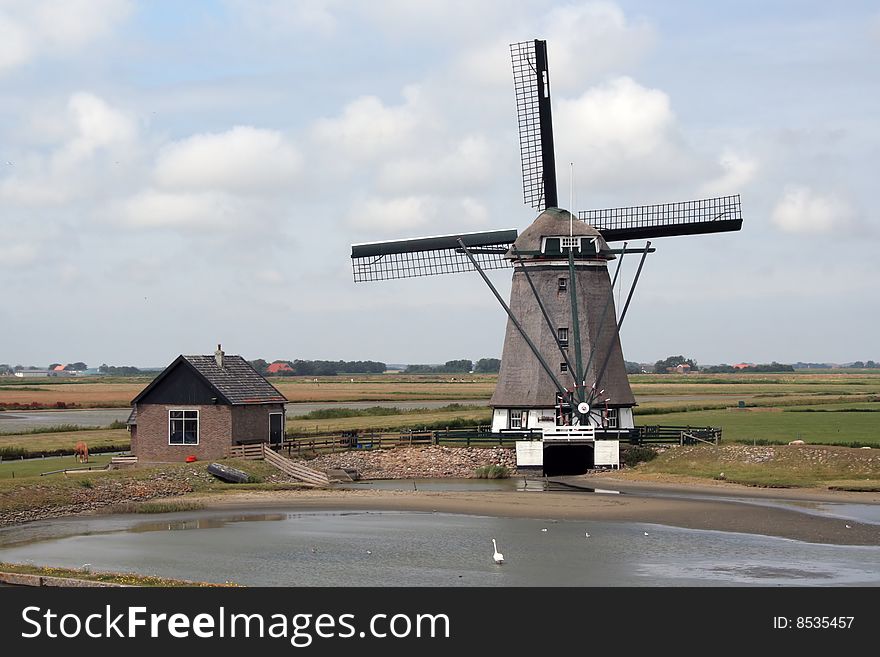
(531, 82)
(711, 215)
(429, 256)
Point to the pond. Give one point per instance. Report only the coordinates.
(383, 548)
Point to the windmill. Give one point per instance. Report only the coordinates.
(562, 363)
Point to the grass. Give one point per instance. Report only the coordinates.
(62, 443)
(170, 506)
(22, 469)
(439, 418)
(779, 466)
(128, 579)
(746, 425)
(492, 472)
(55, 428)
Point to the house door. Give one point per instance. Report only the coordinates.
(276, 429)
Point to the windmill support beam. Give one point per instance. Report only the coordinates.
(550, 324)
(632, 289)
(515, 321)
(604, 314)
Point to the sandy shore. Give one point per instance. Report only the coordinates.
(742, 509)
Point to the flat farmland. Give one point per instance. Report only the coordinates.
(95, 393)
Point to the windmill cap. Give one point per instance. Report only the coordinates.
(554, 222)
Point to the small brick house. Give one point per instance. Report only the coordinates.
(200, 405)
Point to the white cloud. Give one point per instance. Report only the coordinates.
(402, 217)
(367, 128)
(14, 47)
(198, 210)
(737, 172)
(18, 255)
(395, 215)
(467, 166)
(89, 129)
(802, 210)
(591, 39)
(622, 134)
(96, 125)
(242, 160)
(29, 28)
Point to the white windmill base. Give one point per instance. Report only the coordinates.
(530, 453)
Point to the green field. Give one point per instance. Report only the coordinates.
(20, 469)
(832, 424)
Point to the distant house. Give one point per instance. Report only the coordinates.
(279, 368)
(684, 368)
(201, 405)
(742, 366)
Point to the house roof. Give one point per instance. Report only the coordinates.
(279, 367)
(237, 382)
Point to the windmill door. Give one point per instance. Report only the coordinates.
(276, 429)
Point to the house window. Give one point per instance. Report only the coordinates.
(183, 427)
(517, 419)
(563, 284)
(562, 333)
(563, 367)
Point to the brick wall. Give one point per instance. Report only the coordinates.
(250, 423)
(150, 442)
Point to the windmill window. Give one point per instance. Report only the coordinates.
(563, 284)
(563, 336)
(571, 242)
(563, 367)
(183, 427)
(517, 418)
(610, 417)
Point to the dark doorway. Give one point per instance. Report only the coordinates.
(567, 459)
(276, 429)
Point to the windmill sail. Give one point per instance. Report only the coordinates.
(531, 81)
(427, 256)
(711, 215)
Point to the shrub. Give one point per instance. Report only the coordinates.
(635, 454)
(492, 472)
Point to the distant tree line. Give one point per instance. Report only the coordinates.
(125, 370)
(460, 366)
(632, 367)
(664, 366)
(765, 367)
(868, 364)
(320, 367)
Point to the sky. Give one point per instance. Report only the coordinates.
(178, 175)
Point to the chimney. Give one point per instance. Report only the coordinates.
(218, 356)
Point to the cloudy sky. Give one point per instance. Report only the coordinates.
(176, 175)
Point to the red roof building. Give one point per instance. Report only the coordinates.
(278, 368)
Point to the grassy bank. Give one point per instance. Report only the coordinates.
(773, 466)
(128, 579)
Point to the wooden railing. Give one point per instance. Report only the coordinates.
(294, 469)
(252, 452)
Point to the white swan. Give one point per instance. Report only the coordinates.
(499, 558)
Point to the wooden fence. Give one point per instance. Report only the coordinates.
(262, 451)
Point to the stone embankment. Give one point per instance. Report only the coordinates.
(416, 462)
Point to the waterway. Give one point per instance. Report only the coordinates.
(382, 548)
